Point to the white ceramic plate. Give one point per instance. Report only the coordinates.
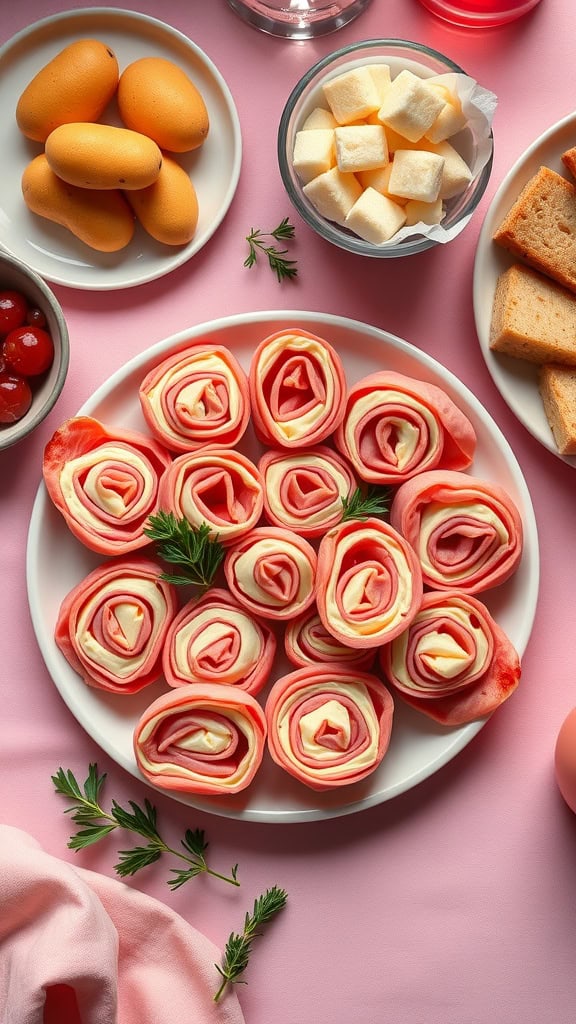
(51, 250)
(56, 562)
(516, 380)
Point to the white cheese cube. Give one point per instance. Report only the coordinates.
(451, 118)
(374, 217)
(333, 194)
(426, 213)
(360, 147)
(410, 106)
(382, 78)
(379, 178)
(456, 175)
(314, 153)
(416, 174)
(319, 118)
(352, 95)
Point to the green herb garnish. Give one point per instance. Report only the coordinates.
(239, 946)
(197, 554)
(282, 267)
(361, 505)
(96, 823)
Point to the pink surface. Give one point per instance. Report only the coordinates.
(452, 904)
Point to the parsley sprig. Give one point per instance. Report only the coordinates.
(196, 553)
(239, 946)
(361, 505)
(282, 267)
(96, 823)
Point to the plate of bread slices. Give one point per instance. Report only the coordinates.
(525, 289)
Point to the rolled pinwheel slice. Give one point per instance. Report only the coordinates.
(395, 426)
(308, 642)
(454, 663)
(197, 397)
(219, 487)
(111, 627)
(297, 389)
(303, 490)
(215, 640)
(203, 738)
(272, 572)
(466, 532)
(105, 482)
(329, 725)
(369, 584)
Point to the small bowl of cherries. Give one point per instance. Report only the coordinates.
(34, 350)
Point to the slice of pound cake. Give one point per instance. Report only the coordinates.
(558, 391)
(533, 318)
(540, 228)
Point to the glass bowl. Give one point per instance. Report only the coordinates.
(399, 54)
(18, 276)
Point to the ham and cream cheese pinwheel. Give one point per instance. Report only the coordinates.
(454, 662)
(303, 490)
(219, 487)
(215, 640)
(203, 738)
(112, 626)
(297, 389)
(105, 482)
(272, 572)
(466, 532)
(308, 642)
(369, 584)
(329, 725)
(197, 397)
(395, 426)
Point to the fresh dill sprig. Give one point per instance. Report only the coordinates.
(239, 946)
(282, 267)
(197, 554)
(361, 505)
(96, 823)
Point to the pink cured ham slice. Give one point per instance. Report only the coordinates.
(112, 626)
(454, 663)
(203, 738)
(215, 640)
(216, 486)
(104, 481)
(297, 389)
(395, 426)
(197, 397)
(308, 642)
(466, 532)
(303, 490)
(272, 572)
(329, 725)
(369, 584)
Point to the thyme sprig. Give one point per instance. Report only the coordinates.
(96, 823)
(282, 267)
(196, 553)
(361, 505)
(239, 946)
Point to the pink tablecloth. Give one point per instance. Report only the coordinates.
(452, 904)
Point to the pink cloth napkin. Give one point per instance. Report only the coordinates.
(77, 947)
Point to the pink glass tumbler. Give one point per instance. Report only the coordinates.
(479, 13)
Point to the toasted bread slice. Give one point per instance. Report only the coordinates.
(540, 228)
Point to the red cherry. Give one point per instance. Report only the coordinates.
(13, 310)
(15, 397)
(28, 350)
(35, 317)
